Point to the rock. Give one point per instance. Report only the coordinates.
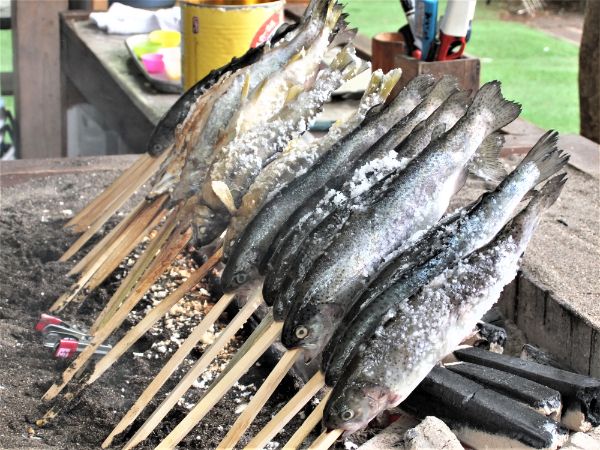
(582, 441)
(431, 433)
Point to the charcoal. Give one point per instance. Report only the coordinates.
(491, 337)
(580, 394)
(481, 417)
(535, 354)
(543, 399)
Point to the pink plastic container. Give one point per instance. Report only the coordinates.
(153, 62)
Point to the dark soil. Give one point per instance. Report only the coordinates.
(31, 240)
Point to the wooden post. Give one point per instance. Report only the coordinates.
(36, 53)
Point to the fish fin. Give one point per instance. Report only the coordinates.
(445, 87)
(246, 86)
(438, 130)
(486, 161)
(348, 63)
(547, 194)
(501, 112)
(389, 81)
(293, 92)
(342, 37)
(336, 17)
(222, 191)
(547, 157)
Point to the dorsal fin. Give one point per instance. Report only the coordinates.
(222, 191)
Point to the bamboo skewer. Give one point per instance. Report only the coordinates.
(120, 181)
(308, 425)
(216, 393)
(259, 399)
(192, 375)
(326, 440)
(115, 193)
(154, 315)
(101, 267)
(139, 270)
(143, 212)
(119, 201)
(103, 333)
(168, 369)
(287, 413)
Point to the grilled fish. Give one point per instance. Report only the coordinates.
(432, 323)
(441, 246)
(416, 199)
(252, 246)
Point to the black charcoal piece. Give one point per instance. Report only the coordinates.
(491, 335)
(578, 392)
(543, 399)
(482, 417)
(535, 354)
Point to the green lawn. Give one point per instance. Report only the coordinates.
(6, 64)
(536, 69)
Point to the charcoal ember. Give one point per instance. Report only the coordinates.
(537, 355)
(481, 417)
(542, 399)
(580, 394)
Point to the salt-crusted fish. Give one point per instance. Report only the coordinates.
(441, 246)
(198, 153)
(416, 199)
(299, 157)
(163, 135)
(243, 158)
(431, 323)
(252, 246)
(380, 161)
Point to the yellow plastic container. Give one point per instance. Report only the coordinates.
(165, 38)
(214, 31)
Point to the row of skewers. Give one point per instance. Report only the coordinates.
(344, 238)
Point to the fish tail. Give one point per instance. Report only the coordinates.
(500, 112)
(348, 63)
(445, 87)
(548, 194)
(486, 161)
(547, 157)
(420, 86)
(317, 9)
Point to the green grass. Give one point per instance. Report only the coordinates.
(536, 69)
(6, 64)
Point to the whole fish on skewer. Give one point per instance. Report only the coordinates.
(417, 198)
(299, 157)
(432, 323)
(453, 238)
(370, 174)
(252, 245)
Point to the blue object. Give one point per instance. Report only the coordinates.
(426, 13)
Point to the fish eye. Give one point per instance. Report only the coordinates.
(347, 415)
(301, 332)
(240, 278)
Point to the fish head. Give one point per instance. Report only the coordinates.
(311, 327)
(160, 139)
(240, 270)
(353, 405)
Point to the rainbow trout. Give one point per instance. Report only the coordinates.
(252, 246)
(432, 323)
(441, 246)
(416, 199)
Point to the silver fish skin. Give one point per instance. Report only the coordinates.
(252, 246)
(245, 156)
(440, 247)
(416, 199)
(163, 135)
(383, 159)
(431, 323)
(300, 156)
(227, 103)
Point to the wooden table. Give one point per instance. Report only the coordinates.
(97, 67)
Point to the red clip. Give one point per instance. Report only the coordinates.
(47, 319)
(66, 348)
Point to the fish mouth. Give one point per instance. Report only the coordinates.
(309, 352)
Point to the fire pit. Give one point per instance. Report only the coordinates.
(553, 310)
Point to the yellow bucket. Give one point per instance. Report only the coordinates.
(214, 31)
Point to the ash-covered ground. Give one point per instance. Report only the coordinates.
(32, 238)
